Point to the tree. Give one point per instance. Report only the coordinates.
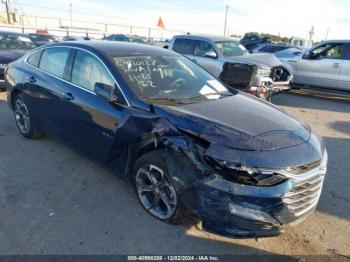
(274, 38)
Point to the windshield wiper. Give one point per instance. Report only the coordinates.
(188, 100)
(166, 100)
(200, 97)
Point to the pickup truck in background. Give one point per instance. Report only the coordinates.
(258, 74)
(325, 67)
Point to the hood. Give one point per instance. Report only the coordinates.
(7, 56)
(237, 122)
(260, 59)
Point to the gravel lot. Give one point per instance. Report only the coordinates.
(54, 201)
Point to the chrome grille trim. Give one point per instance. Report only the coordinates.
(306, 189)
(304, 196)
(304, 168)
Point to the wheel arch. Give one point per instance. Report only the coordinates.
(13, 96)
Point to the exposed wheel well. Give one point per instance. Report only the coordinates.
(13, 96)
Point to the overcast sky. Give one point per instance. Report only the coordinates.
(284, 17)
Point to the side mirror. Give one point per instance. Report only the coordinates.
(211, 54)
(307, 55)
(105, 91)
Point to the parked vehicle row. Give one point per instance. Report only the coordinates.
(12, 47)
(228, 60)
(186, 142)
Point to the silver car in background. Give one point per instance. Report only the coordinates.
(326, 65)
(216, 54)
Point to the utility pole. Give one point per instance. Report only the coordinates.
(225, 20)
(312, 32)
(327, 33)
(70, 14)
(7, 10)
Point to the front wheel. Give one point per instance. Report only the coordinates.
(155, 188)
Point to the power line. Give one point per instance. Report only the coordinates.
(105, 16)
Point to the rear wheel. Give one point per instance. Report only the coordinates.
(24, 121)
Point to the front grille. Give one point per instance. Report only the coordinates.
(304, 168)
(304, 195)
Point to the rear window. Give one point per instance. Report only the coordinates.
(53, 60)
(42, 38)
(184, 46)
(34, 58)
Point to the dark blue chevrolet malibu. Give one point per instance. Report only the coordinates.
(187, 143)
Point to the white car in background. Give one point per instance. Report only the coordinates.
(325, 66)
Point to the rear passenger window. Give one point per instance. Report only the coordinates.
(53, 60)
(87, 71)
(34, 58)
(184, 46)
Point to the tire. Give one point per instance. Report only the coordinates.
(159, 165)
(25, 124)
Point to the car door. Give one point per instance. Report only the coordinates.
(321, 66)
(344, 76)
(45, 83)
(206, 56)
(90, 122)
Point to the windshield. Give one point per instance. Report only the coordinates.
(164, 79)
(231, 48)
(139, 40)
(42, 38)
(12, 41)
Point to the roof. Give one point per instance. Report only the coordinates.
(116, 48)
(12, 33)
(208, 37)
(282, 45)
(336, 41)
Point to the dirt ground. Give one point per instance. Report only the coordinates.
(54, 201)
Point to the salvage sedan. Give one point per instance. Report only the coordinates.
(186, 142)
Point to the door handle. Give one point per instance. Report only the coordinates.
(31, 79)
(336, 65)
(68, 96)
(194, 60)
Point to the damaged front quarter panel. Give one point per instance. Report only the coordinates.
(224, 207)
(167, 135)
(228, 199)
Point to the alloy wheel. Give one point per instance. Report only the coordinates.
(22, 117)
(156, 192)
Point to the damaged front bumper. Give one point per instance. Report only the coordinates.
(273, 86)
(233, 209)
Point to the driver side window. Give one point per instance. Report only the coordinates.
(329, 51)
(201, 48)
(87, 70)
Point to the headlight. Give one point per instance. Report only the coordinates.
(263, 71)
(250, 176)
